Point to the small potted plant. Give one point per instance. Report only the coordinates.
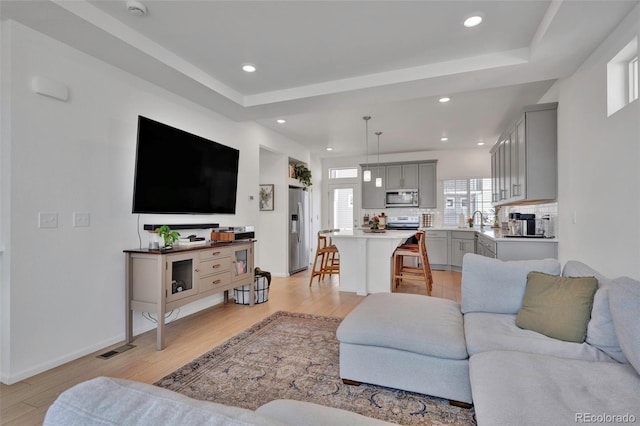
(303, 175)
(168, 236)
(470, 222)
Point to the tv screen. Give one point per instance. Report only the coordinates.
(178, 172)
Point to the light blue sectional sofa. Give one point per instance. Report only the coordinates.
(513, 376)
(109, 401)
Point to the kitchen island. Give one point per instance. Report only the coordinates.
(366, 258)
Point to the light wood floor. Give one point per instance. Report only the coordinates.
(25, 402)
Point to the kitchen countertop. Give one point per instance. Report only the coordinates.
(496, 234)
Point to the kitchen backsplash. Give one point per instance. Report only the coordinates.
(539, 210)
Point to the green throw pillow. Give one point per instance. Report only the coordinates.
(558, 307)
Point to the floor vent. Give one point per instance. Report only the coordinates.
(115, 351)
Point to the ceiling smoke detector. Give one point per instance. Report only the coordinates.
(136, 8)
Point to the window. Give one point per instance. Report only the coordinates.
(351, 172)
(622, 78)
(633, 79)
(466, 196)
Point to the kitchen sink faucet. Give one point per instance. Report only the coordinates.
(481, 218)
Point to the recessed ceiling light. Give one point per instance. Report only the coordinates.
(281, 121)
(444, 139)
(329, 148)
(444, 99)
(480, 143)
(136, 8)
(472, 21)
(249, 68)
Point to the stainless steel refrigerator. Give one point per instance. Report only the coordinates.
(298, 230)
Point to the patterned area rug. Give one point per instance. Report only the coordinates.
(296, 356)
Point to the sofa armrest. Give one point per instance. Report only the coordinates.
(111, 401)
(308, 414)
(496, 286)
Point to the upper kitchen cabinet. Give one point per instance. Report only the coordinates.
(397, 176)
(524, 160)
(372, 196)
(402, 176)
(427, 185)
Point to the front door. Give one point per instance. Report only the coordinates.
(342, 199)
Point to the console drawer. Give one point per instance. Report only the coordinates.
(214, 266)
(210, 282)
(214, 253)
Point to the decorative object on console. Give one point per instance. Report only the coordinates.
(168, 236)
(303, 174)
(233, 233)
(266, 197)
(155, 241)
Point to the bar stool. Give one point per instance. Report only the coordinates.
(412, 273)
(327, 260)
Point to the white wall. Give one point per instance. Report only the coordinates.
(63, 289)
(272, 225)
(454, 164)
(599, 176)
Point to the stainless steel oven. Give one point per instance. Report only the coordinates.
(401, 198)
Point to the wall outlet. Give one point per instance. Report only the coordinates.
(80, 219)
(47, 220)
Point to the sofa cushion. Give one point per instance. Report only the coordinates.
(625, 308)
(484, 278)
(108, 401)
(600, 331)
(512, 388)
(490, 332)
(430, 325)
(558, 307)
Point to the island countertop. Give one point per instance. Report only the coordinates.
(359, 233)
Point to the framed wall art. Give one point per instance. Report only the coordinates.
(266, 197)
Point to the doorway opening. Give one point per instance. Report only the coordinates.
(341, 205)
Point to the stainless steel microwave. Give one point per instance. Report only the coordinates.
(401, 198)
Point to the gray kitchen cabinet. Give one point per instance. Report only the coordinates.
(437, 243)
(524, 160)
(485, 246)
(372, 196)
(402, 176)
(462, 242)
(526, 250)
(427, 185)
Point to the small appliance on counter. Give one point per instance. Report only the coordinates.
(525, 225)
(548, 226)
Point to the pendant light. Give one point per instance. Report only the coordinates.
(378, 178)
(366, 175)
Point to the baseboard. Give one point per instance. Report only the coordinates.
(41, 368)
(30, 372)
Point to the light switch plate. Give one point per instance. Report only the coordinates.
(47, 220)
(81, 219)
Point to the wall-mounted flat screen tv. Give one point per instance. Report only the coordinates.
(179, 172)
